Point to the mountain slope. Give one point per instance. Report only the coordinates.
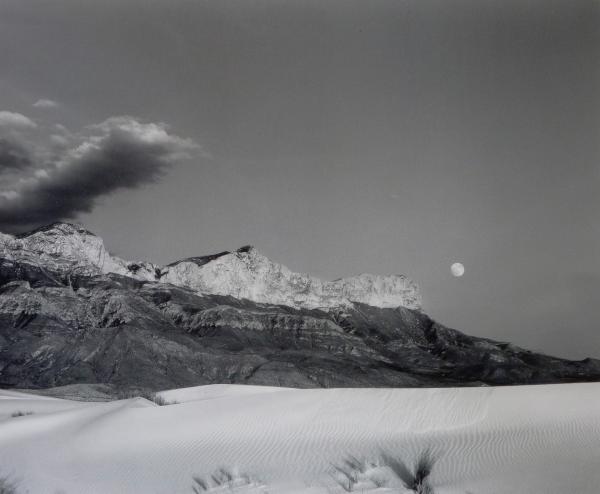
(64, 319)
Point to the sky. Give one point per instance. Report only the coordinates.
(338, 137)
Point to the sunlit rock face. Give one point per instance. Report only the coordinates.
(247, 274)
(70, 250)
(243, 274)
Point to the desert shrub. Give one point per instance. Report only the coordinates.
(416, 479)
(150, 396)
(423, 468)
(200, 485)
(19, 413)
(348, 473)
(160, 401)
(352, 472)
(224, 478)
(221, 477)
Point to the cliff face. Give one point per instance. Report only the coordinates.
(249, 275)
(242, 274)
(71, 313)
(69, 250)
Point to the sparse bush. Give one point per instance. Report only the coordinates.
(160, 401)
(347, 474)
(223, 478)
(423, 469)
(354, 474)
(200, 485)
(154, 397)
(416, 480)
(353, 471)
(19, 413)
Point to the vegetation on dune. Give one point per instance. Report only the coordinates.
(353, 471)
(356, 475)
(148, 395)
(224, 478)
(416, 479)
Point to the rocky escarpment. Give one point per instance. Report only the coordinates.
(248, 274)
(64, 320)
(245, 273)
(69, 250)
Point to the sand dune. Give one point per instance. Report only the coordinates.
(213, 391)
(529, 439)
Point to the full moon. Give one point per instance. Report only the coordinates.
(457, 269)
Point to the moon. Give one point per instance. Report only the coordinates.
(457, 269)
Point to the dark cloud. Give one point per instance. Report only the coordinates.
(120, 153)
(13, 155)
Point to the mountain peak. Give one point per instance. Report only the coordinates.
(248, 274)
(245, 248)
(244, 273)
(202, 260)
(62, 247)
(58, 227)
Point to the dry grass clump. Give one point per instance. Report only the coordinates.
(355, 475)
(150, 396)
(416, 479)
(223, 479)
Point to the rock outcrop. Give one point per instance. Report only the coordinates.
(69, 250)
(247, 274)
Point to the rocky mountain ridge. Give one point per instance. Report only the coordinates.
(71, 313)
(244, 274)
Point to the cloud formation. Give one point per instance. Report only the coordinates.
(60, 181)
(45, 103)
(13, 155)
(15, 120)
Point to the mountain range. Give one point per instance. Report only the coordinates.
(72, 313)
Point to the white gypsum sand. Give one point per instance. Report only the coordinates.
(525, 439)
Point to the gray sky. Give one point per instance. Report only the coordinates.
(337, 137)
